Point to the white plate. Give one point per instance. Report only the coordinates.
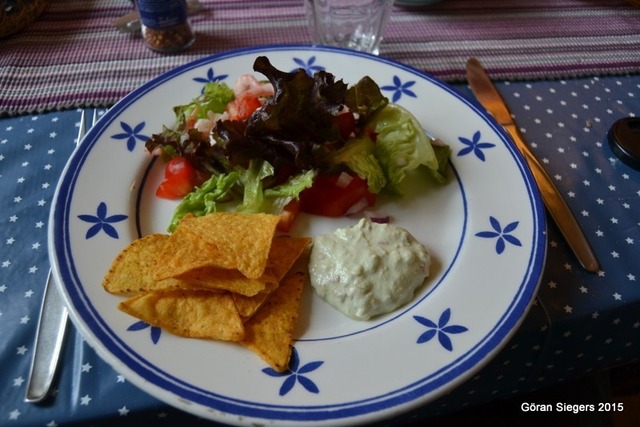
(485, 230)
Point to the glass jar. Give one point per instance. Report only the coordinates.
(165, 26)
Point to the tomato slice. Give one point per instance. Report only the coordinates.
(242, 106)
(173, 189)
(346, 123)
(288, 215)
(179, 179)
(328, 196)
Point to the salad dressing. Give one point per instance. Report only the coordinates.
(369, 269)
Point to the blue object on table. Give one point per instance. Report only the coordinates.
(580, 322)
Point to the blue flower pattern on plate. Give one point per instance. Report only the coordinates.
(442, 329)
(102, 222)
(501, 234)
(398, 88)
(140, 326)
(296, 374)
(475, 146)
(210, 78)
(309, 66)
(131, 134)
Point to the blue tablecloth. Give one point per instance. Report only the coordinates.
(580, 322)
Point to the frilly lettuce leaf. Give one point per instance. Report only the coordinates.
(270, 200)
(401, 144)
(205, 199)
(215, 97)
(365, 98)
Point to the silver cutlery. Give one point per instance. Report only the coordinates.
(488, 95)
(52, 326)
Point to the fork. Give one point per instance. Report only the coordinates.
(51, 326)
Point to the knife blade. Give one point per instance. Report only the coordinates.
(488, 95)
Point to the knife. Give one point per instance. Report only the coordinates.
(52, 327)
(486, 92)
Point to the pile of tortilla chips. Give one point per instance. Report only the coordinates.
(223, 276)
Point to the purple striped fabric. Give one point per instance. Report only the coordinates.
(72, 56)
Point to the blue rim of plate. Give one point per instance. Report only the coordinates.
(408, 397)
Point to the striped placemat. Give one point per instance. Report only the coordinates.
(73, 56)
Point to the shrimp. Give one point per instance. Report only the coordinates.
(249, 85)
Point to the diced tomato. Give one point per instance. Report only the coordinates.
(288, 215)
(242, 106)
(327, 198)
(346, 124)
(179, 179)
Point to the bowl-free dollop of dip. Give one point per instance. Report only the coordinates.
(368, 269)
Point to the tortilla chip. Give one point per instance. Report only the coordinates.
(284, 253)
(174, 283)
(243, 241)
(269, 333)
(216, 277)
(182, 252)
(229, 280)
(247, 306)
(132, 270)
(192, 314)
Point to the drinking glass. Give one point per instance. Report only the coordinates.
(352, 24)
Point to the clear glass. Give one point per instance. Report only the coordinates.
(352, 24)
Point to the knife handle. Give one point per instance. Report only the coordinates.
(557, 206)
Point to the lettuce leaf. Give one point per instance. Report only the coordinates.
(204, 199)
(299, 115)
(401, 144)
(365, 98)
(443, 152)
(358, 154)
(215, 97)
(252, 179)
(293, 186)
(270, 200)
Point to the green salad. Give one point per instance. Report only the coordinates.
(291, 143)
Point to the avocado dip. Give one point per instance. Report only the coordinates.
(368, 269)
